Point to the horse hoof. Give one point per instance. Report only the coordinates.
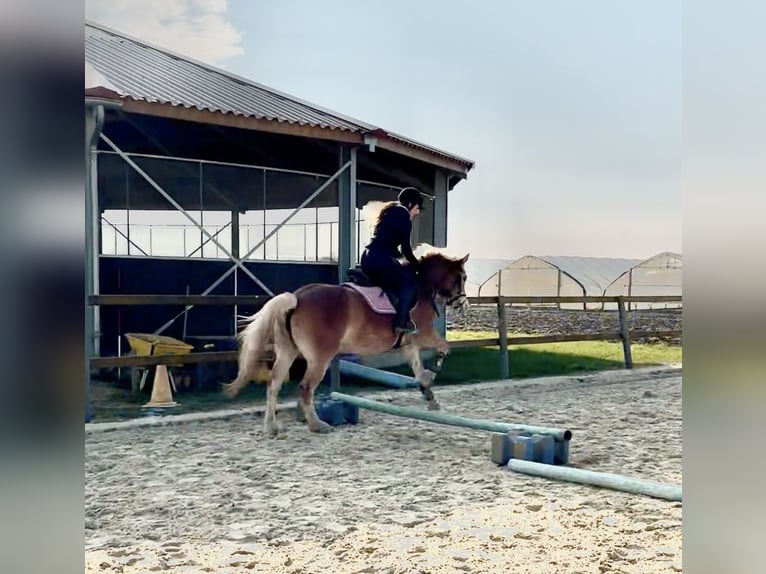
(433, 405)
(321, 427)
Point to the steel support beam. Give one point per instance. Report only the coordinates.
(292, 214)
(235, 251)
(347, 212)
(94, 122)
(93, 225)
(346, 231)
(439, 206)
(441, 185)
(234, 232)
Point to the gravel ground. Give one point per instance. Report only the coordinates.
(545, 321)
(393, 495)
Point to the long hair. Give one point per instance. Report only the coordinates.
(383, 211)
(373, 212)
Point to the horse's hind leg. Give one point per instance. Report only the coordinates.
(284, 360)
(315, 371)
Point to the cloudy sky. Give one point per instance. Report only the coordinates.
(571, 110)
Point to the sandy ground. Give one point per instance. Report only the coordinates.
(392, 495)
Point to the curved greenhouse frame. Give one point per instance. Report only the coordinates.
(661, 274)
(557, 276)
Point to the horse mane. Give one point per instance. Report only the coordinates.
(427, 253)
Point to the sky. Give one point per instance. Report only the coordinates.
(571, 110)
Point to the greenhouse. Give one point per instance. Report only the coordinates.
(479, 270)
(658, 275)
(557, 276)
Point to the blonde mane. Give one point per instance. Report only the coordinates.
(427, 250)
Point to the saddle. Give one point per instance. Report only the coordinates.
(379, 299)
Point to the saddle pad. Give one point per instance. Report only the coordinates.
(375, 297)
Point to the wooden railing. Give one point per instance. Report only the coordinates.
(162, 300)
(624, 334)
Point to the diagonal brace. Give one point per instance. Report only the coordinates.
(174, 203)
(292, 214)
(217, 233)
(303, 204)
(128, 239)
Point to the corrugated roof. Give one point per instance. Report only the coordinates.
(144, 72)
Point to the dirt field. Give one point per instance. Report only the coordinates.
(392, 495)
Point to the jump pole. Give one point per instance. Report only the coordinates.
(452, 420)
(394, 380)
(604, 479)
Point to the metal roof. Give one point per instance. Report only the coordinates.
(138, 70)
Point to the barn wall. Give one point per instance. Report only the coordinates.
(141, 275)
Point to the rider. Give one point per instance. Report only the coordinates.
(380, 259)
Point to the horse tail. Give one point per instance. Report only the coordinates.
(258, 334)
(261, 327)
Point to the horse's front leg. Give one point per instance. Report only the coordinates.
(442, 350)
(423, 376)
(434, 341)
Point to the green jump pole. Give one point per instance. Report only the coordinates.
(378, 375)
(445, 419)
(593, 478)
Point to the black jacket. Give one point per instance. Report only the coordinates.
(393, 231)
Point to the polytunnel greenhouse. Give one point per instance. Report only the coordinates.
(658, 275)
(558, 276)
(479, 270)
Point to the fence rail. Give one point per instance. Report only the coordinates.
(502, 341)
(526, 300)
(624, 334)
(196, 300)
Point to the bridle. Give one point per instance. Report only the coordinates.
(451, 300)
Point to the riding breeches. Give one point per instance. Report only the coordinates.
(386, 271)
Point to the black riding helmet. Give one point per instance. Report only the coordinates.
(410, 196)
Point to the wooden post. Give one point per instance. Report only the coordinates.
(624, 333)
(503, 336)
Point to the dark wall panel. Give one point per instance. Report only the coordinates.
(144, 276)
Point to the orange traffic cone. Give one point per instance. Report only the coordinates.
(161, 393)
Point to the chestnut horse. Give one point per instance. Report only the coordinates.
(319, 321)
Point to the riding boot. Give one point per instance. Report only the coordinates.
(402, 321)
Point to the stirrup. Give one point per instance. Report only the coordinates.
(408, 329)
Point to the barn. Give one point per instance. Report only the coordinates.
(203, 183)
